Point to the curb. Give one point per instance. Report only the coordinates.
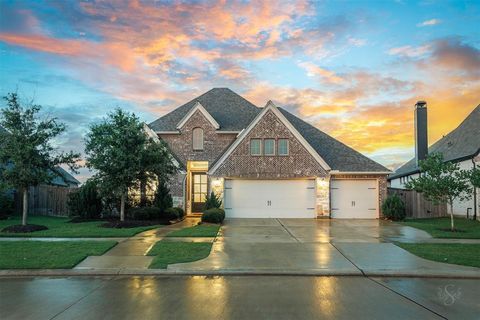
(150, 272)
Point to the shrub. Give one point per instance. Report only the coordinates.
(86, 202)
(171, 214)
(212, 201)
(180, 212)
(393, 208)
(163, 199)
(213, 215)
(6, 204)
(145, 213)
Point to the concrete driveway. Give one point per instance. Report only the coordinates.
(323, 246)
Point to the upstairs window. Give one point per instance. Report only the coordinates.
(256, 147)
(197, 139)
(283, 147)
(269, 147)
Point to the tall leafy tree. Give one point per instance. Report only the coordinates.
(28, 156)
(122, 154)
(441, 182)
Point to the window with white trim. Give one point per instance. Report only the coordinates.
(256, 147)
(283, 147)
(197, 137)
(269, 147)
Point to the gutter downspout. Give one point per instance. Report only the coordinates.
(474, 195)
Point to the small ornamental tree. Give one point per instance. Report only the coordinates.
(121, 153)
(27, 155)
(441, 182)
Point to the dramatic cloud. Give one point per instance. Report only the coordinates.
(349, 71)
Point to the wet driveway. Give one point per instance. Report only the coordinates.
(238, 297)
(318, 247)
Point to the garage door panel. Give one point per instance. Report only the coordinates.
(270, 198)
(354, 199)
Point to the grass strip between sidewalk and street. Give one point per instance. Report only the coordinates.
(438, 227)
(201, 230)
(455, 253)
(167, 252)
(62, 228)
(49, 254)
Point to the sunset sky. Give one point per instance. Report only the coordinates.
(354, 69)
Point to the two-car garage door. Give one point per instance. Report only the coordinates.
(270, 198)
(349, 198)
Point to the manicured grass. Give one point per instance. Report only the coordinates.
(49, 255)
(166, 253)
(202, 230)
(433, 226)
(456, 253)
(60, 227)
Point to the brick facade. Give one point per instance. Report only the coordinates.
(214, 143)
(298, 164)
(382, 185)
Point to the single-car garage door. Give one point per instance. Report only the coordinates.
(354, 199)
(270, 198)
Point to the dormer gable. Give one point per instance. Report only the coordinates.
(198, 107)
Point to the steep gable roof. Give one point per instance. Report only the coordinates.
(234, 113)
(461, 143)
(231, 111)
(63, 178)
(338, 155)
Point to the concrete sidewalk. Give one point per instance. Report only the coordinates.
(131, 252)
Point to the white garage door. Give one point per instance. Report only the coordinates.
(354, 199)
(270, 198)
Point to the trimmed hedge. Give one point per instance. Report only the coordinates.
(213, 215)
(146, 213)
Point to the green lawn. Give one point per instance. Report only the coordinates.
(202, 230)
(49, 255)
(456, 253)
(60, 227)
(471, 228)
(177, 252)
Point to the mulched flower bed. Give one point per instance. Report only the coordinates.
(22, 229)
(450, 230)
(132, 224)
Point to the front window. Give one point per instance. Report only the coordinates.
(283, 147)
(197, 139)
(256, 147)
(269, 147)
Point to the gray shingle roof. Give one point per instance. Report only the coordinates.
(234, 113)
(338, 155)
(461, 143)
(231, 111)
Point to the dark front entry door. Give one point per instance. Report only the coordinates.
(199, 191)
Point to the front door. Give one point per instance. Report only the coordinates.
(199, 191)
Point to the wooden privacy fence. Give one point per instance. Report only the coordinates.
(417, 206)
(45, 200)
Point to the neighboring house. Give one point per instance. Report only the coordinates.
(265, 162)
(462, 146)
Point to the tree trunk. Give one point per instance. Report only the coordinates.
(122, 208)
(143, 192)
(452, 225)
(25, 206)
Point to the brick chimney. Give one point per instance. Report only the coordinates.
(421, 131)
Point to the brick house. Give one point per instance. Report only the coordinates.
(265, 162)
